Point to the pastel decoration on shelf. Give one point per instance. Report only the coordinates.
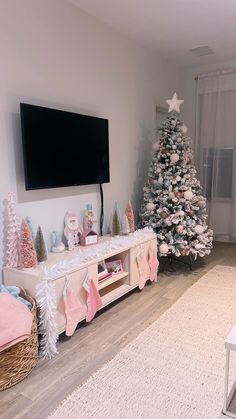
(40, 247)
(130, 215)
(88, 236)
(143, 268)
(125, 225)
(93, 299)
(27, 219)
(116, 224)
(28, 257)
(57, 245)
(12, 260)
(153, 263)
(72, 229)
(89, 219)
(73, 309)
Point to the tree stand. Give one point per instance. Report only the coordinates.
(172, 258)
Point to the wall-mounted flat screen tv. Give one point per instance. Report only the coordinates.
(63, 148)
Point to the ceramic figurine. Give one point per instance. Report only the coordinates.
(72, 229)
(89, 219)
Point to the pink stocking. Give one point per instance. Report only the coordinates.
(73, 310)
(94, 301)
(153, 263)
(143, 270)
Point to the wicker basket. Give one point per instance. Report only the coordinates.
(18, 361)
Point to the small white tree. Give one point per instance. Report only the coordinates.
(12, 233)
(125, 225)
(173, 204)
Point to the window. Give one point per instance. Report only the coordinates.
(218, 172)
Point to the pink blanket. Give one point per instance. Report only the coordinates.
(15, 321)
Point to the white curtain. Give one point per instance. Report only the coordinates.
(215, 150)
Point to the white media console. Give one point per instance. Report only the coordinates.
(110, 289)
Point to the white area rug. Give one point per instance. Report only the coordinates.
(174, 369)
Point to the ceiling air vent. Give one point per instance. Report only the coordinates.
(201, 50)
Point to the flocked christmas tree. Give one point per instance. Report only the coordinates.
(40, 247)
(173, 202)
(12, 233)
(28, 257)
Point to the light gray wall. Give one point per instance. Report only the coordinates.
(55, 55)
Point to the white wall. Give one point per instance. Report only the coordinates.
(55, 55)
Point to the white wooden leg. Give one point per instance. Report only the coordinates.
(155, 278)
(226, 379)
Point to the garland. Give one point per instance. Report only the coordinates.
(45, 291)
(46, 303)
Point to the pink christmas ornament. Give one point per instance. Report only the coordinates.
(199, 229)
(150, 206)
(174, 158)
(188, 195)
(201, 204)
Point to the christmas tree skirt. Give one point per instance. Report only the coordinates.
(175, 368)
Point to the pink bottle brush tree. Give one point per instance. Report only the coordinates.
(28, 257)
(12, 260)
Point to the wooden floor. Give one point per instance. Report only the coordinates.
(95, 344)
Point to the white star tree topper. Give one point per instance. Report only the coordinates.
(174, 103)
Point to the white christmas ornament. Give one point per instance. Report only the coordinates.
(188, 195)
(150, 206)
(199, 246)
(199, 229)
(174, 157)
(164, 248)
(174, 103)
(184, 129)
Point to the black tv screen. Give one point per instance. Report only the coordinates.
(63, 148)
